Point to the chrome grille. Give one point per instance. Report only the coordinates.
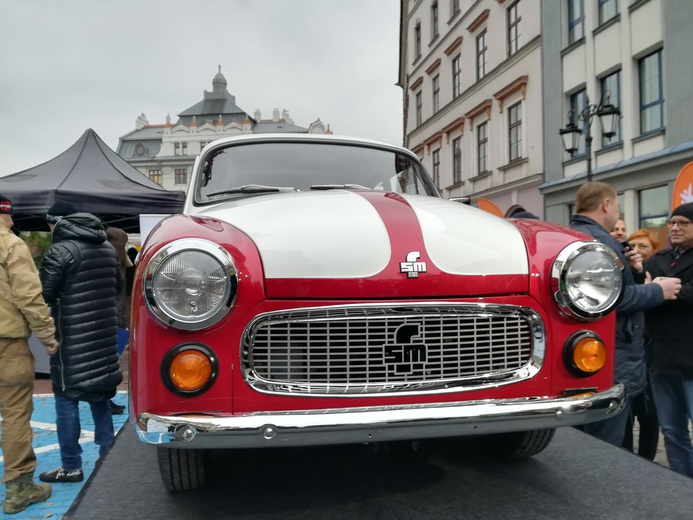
(373, 349)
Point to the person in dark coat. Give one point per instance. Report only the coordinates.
(670, 341)
(119, 239)
(518, 211)
(80, 279)
(597, 209)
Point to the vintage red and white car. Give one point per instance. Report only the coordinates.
(318, 290)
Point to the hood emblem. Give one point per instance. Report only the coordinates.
(411, 266)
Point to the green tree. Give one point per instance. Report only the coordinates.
(39, 242)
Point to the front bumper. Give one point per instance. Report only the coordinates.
(377, 424)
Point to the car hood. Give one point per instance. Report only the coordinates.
(345, 234)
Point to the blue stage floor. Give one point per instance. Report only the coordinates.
(48, 455)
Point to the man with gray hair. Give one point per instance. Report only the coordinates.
(672, 352)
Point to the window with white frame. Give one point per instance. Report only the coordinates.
(180, 176)
(651, 93)
(457, 160)
(156, 176)
(417, 41)
(611, 94)
(578, 102)
(184, 148)
(454, 7)
(607, 10)
(434, 20)
(576, 20)
(482, 147)
(515, 131)
(456, 76)
(176, 148)
(436, 93)
(436, 167)
(419, 118)
(514, 28)
(481, 55)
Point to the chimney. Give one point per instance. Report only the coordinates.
(275, 115)
(141, 121)
(257, 116)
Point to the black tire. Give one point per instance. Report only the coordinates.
(518, 445)
(182, 470)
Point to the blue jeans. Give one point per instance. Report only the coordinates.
(674, 400)
(69, 429)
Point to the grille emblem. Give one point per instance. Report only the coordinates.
(405, 356)
(411, 266)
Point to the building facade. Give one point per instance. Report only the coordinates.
(636, 55)
(166, 152)
(471, 75)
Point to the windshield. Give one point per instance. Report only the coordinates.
(272, 167)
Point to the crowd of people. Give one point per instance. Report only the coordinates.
(71, 305)
(653, 355)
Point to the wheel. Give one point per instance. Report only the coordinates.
(182, 470)
(518, 445)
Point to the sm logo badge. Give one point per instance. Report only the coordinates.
(407, 354)
(411, 266)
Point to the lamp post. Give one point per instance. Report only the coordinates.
(609, 116)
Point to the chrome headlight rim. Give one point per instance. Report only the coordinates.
(559, 272)
(190, 244)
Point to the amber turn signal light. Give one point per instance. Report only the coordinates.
(190, 370)
(584, 354)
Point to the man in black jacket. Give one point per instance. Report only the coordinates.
(80, 279)
(597, 209)
(672, 347)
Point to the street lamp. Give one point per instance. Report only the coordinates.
(609, 116)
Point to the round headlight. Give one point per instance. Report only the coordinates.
(190, 284)
(586, 280)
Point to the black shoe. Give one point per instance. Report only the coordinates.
(116, 409)
(60, 475)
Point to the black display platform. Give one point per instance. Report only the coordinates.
(576, 477)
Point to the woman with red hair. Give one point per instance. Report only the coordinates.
(644, 243)
(643, 407)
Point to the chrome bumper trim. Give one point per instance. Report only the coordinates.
(376, 424)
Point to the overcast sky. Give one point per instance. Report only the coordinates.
(69, 65)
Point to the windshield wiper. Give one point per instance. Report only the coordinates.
(252, 188)
(338, 187)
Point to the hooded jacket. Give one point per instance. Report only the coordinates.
(22, 308)
(80, 281)
(629, 364)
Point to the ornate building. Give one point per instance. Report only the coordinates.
(471, 74)
(166, 152)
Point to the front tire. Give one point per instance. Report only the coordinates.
(518, 445)
(182, 470)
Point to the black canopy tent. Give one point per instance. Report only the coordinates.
(94, 179)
